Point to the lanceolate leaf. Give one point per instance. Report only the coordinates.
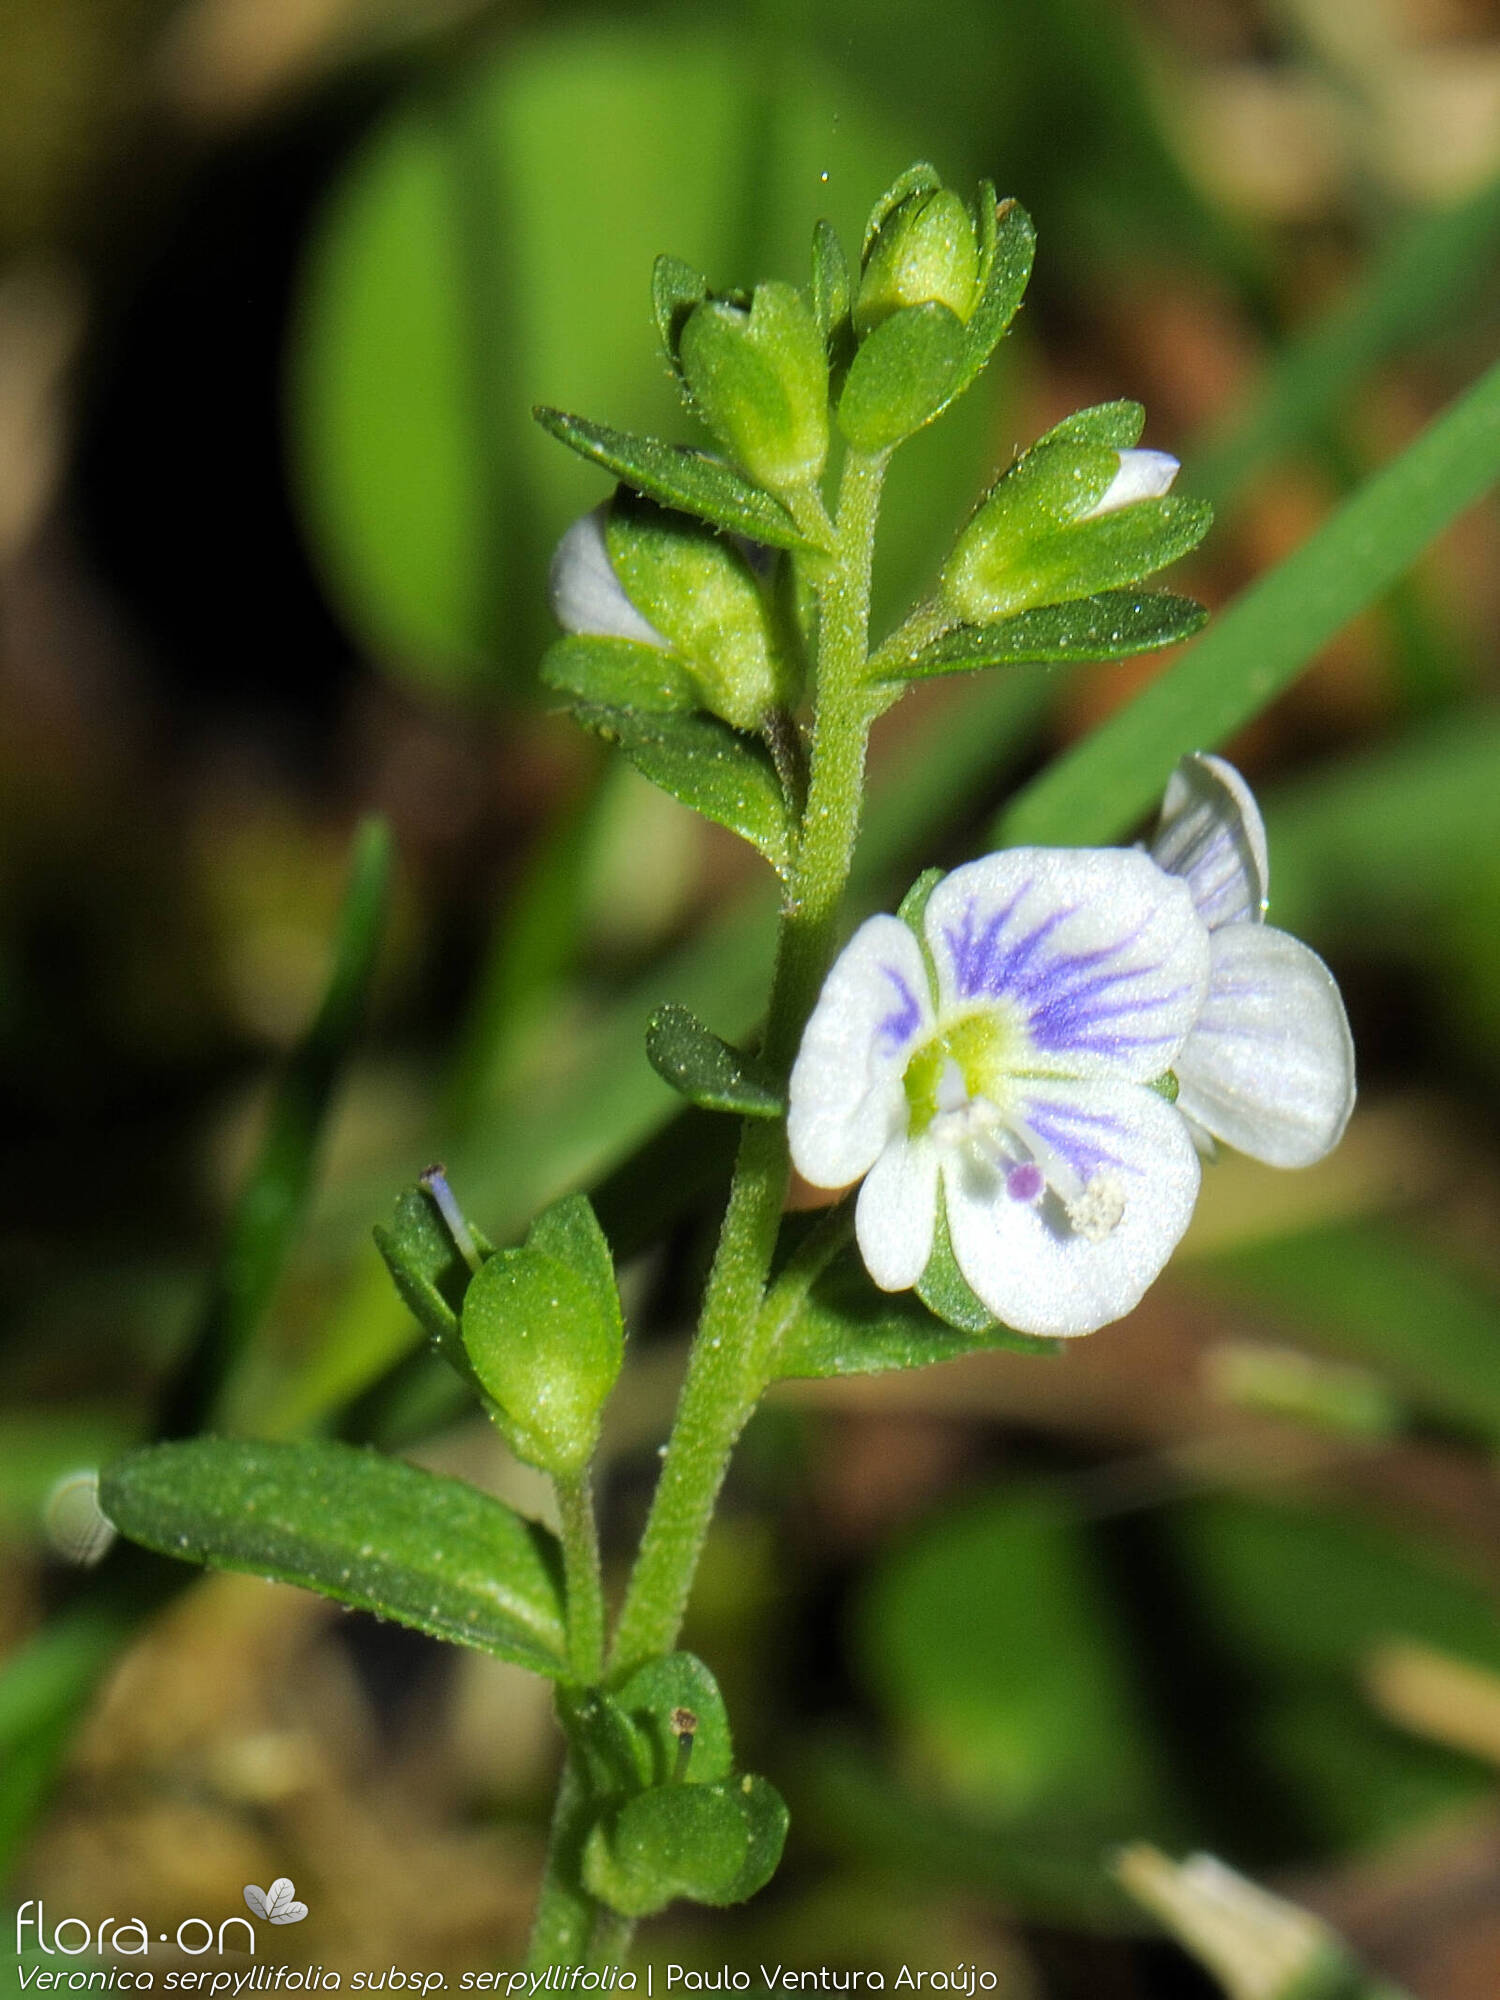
(679, 476)
(367, 1530)
(705, 1069)
(714, 769)
(1110, 626)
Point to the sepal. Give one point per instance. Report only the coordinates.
(428, 1272)
(544, 1336)
(903, 374)
(700, 593)
(715, 1844)
(758, 377)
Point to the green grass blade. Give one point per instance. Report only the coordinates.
(1271, 633)
(271, 1205)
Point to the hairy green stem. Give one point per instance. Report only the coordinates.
(565, 1912)
(733, 1354)
(585, 1583)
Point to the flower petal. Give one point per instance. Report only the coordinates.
(1097, 953)
(896, 1213)
(1269, 1068)
(1210, 833)
(1030, 1265)
(846, 1100)
(587, 596)
(1143, 475)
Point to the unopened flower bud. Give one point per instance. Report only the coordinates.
(1143, 475)
(587, 594)
(924, 253)
(1069, 518)
(759, 378)
(633, 570)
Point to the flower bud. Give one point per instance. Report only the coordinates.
(587, 595)
(1143, 475)
(924, 253)
(633, 570)
(1070, 518)
(759, 378)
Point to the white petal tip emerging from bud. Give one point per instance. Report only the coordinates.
(1143, 475)
(1256, 1945)
(587, 597)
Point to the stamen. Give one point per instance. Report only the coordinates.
(1099, 1209)
(1026, 1182)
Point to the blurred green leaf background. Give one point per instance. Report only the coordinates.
(279, 283)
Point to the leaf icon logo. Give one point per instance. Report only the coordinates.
(278, 1904)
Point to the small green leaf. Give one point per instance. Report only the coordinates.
(619, 673)
(726, 776)
(845, 1326)
(675, 289)
(679, 476)
(1111, 625)
(832, 294)
(366, 1530)
(705, 1069)
(546, 1343)
(660, 1690)
(904, 373)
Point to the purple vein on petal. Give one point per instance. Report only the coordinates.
(1056, 1125)
(899, 1026)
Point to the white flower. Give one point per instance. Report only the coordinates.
(1143, 475)
(1003, 1064)
(1006, 1070)
(587, 597)
(1269, 1065)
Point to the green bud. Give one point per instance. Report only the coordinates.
(1072, 517)
(924, 253)
(699, 591)
(759, 378)
(544, 1337)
